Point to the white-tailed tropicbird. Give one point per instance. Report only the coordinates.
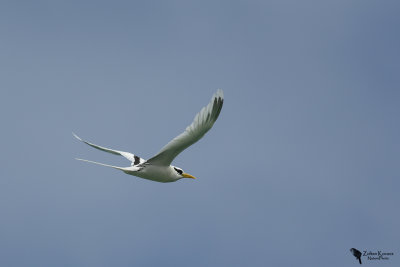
(158, 168)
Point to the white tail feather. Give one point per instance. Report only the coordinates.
(102, 164)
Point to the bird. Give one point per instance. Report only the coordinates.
(158, 168)
(356, 253)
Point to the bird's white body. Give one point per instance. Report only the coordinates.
(158, 168)
(156, 173)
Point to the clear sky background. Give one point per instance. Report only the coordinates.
(301, 166)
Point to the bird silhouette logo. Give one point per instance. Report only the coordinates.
(356, 253)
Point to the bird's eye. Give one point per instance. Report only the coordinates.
(178, 170)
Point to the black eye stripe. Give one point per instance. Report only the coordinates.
(178, 170)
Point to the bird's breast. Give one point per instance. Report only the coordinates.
(156, 173)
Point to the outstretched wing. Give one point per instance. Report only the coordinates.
(129, 156)
(201, 124)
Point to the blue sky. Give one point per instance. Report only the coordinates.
(302, 164)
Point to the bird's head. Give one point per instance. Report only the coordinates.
(181, 174)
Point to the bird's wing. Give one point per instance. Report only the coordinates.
(129, 156)
(201, 124)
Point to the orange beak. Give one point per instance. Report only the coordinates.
(186, 175)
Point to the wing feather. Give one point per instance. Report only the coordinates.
(202, 123)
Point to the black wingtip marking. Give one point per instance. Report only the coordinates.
(137, 160)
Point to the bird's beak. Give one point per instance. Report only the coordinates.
(186, 175)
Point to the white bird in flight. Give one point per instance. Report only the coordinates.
(158, 168)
